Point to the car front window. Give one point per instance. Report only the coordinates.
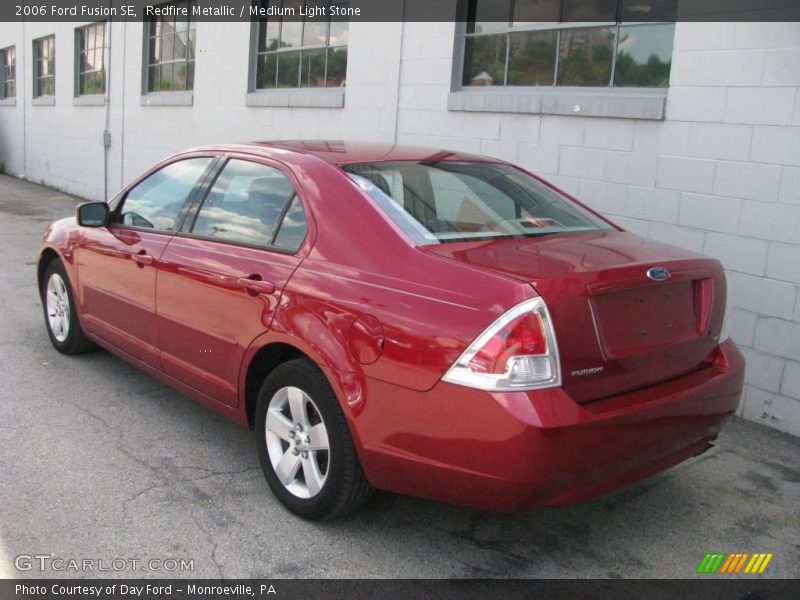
(156, 201)
(446, 201)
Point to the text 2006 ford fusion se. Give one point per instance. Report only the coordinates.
(425, 322)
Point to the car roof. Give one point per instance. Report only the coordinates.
(341, 152)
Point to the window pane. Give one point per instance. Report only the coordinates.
(182, 45)
(589, 10)
(487, 16)
(288, 69)
(183, 76)
(155, 51)
(168, 77)
(532, 59)
(532, 11)
(484, 60)
(315, 31)
(293, 228)
(190, 75)
(154, 79)
(156, 202)
(337, 67)
(266, 71)
(340, 28)
(192, 44)
(92, 83)
(312, 68)
(586, 55)
(292, 30)
(245, 203)
(644, 55)
(168, 47)
(269, 34)
(649, 10)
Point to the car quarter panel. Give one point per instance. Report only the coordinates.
(429, 308)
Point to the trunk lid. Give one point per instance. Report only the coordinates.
(617, 329)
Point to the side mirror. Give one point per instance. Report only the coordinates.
(93, 214)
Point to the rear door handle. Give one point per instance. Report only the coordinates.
(142, 258)
(256, 286)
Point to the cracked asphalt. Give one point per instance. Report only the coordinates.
(98, 460)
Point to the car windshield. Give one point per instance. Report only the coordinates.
(448, 201)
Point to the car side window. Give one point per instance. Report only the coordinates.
(293, 228)
(156, 202)
(252, 203)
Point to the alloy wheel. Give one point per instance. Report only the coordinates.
(297, 442)
(58, 307)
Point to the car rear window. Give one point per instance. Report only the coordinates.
(445, 201)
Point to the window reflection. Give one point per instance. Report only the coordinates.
(644, 56)
(156, 202)
(596, 43)
(247, 203)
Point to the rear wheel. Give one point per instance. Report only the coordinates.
(61, 313)
(304, 444)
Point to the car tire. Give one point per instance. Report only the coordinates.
(297, 416)
(61, 312)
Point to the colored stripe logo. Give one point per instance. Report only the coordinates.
(731, 564)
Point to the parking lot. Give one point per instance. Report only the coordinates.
(99, 461)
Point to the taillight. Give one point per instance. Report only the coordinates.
(516, 352)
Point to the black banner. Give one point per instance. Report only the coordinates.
(391, 10)
(408, 589)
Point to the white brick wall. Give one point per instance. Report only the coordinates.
(720, 175)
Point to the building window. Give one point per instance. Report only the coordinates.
(598, 43)
(296, 52)
(8, 76)
(44, 52)
(91, 61)
(171, 51)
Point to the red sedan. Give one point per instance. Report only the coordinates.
(425, 322)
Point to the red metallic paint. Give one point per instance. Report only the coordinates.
(187, 319)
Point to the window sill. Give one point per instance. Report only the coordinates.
(167, 99)
(89, 100)
(8, 101)
(582, 102)
(300, 98)
(44, 101)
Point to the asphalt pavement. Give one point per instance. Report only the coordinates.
(98, 461)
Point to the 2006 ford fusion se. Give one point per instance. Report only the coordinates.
(419, 321)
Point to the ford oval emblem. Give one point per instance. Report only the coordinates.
(658, 274)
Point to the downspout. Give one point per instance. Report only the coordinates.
(106, 129)
(399, 71)
(24, 98)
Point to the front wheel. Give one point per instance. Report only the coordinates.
(304, 444)
(61, 312)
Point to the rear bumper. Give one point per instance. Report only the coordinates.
(513, 451)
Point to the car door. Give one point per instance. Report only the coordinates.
(220, 280)
(117, 264)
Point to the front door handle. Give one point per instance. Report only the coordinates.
(142, 258)
(256, 286)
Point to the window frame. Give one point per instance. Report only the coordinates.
(4, 69)
(256, 54)
(295, 97)
(80, 51)
(199, 199)
(558, 27)
(633, 102)
(37, 63)
(118, 203)
(178, 97)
